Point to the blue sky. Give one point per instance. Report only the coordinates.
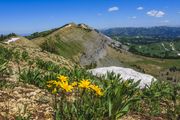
(27, 16)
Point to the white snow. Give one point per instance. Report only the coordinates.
(84, 26)
(67, 26)
(164, 47)
(12, 40)
(126, 74)
(172, 46)
(178, 54)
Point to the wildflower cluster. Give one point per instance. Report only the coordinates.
(62, 84)
(86, 84)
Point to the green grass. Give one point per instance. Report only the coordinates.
(67, 49)
(157, 50)
(120, 97)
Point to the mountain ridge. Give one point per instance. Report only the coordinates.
(156, 31)
(91, 48)
(89, 45)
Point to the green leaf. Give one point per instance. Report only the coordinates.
(110, 106)
(123, 111)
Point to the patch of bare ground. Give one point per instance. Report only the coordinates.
(25, 101)
(133, 116)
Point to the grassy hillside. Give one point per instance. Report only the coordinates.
(161, 49)
(87, 47)
(79, 43)
(35, 85)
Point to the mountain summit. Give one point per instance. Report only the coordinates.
(82, 44)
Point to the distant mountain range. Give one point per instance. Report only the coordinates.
(161, 42)
(162, 31)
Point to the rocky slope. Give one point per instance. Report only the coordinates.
(18, 98)
(25, 100)
(84, 45)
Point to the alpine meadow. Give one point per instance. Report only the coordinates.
(90, 60)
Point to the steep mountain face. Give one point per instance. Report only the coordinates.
(82, 44)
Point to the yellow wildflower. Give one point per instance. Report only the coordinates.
(57, 83)
(51, 81)
(66, 86)
(74, 84)
(49, 85)
(63, 78)
(97, 89)
(84, 84)
(54, 91)
(99, 92)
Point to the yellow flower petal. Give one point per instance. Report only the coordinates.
(51, 81)
(65, 86)
(74, 84)
(63, 78)
(49, 85)
(97, 89)
(84, 84)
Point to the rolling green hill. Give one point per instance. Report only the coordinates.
(159, 42)
(82, 44)
(161, 50)
(90, 48)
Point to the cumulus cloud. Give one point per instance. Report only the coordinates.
(156, 13)
(140, 8)
(112, 9)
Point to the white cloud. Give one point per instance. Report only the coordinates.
(140, 8)
(156, 13)
(112, 9)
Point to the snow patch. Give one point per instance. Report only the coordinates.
(178, 54)
(164, 47)
(12, 40)
(126, 74)
(67, 26)
(172, 46)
